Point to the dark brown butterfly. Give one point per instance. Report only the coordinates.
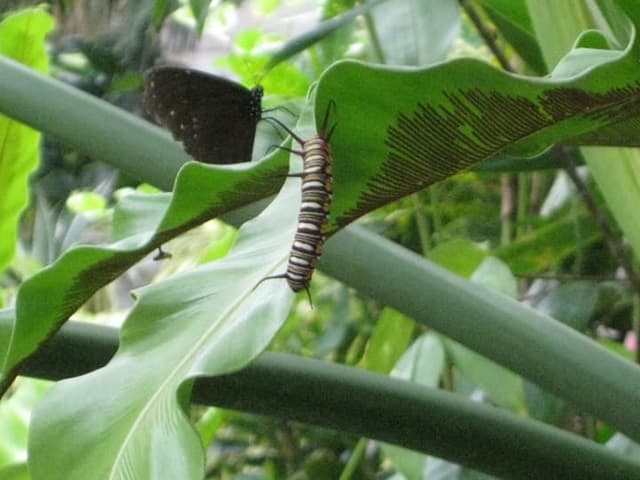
(214, 118)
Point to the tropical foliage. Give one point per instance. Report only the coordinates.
(476, 306)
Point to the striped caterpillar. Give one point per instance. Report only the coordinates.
(317, 188)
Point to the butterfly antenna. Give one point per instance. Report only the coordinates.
(280, 107)
(286, 149)
(274, 122)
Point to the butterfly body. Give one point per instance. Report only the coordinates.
(214, 118)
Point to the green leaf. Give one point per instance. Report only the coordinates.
(17, 471)
(221, 239)
(47, 299)
(513, 21)
(200, 10)
(160, 11)
(495, 274)
(617, 175)
(616, 172)
(548, 245)
(589, 50)
(209, 321)
(422, 363)
(616, 23)
(555, 41)
(389, 340)
(86, 202)
(138, 212)
(502, 385)
(412, 32)
(460, 255)
(14, 418)
(319, 32)
(209, 424)
(226, 317)
(449, 117)
(574, 303)
(22, 38)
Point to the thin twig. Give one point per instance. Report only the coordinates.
(614, 243)
(509, 186)
(487, 35)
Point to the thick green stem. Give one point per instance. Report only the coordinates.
(373, 406)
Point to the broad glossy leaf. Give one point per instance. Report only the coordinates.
(615, 171)
(617, 175)
(416, 32)
(22, 38)
(47, 299)
(610, 18)
(422, 362)
(555, 44)
(14, 417)
(18, 471)
(459, 255)
(495, 274)
(389, 340)
(447, 118)
(139, 212)
(128, 419)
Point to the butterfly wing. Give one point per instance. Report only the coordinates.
(214, 118)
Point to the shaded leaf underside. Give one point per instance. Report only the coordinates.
(386, 148)
(50, 297)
